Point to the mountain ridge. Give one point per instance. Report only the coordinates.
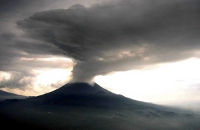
(81, 88)
(7, 95)
(82, 94)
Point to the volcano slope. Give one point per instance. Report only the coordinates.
(81, 106)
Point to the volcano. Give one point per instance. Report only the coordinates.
(82, 94)
(89, 106)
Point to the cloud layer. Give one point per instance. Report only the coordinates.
(19, 53)
(119, 35)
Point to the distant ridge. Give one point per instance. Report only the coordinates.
(6, 95)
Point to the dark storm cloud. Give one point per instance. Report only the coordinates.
(17, 80)
(120, 35)
(14, 45)
(19, 53)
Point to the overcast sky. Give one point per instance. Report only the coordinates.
(92, 37)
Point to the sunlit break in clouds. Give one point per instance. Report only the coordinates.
(100, 64)
(144, 49)
(4, 76)
(41, 80)
(162, 83)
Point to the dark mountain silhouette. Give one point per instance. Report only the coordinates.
(82, 94)
(91, 107)
(6, 95)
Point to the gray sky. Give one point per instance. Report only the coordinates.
(15, 44)
(100, 37)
